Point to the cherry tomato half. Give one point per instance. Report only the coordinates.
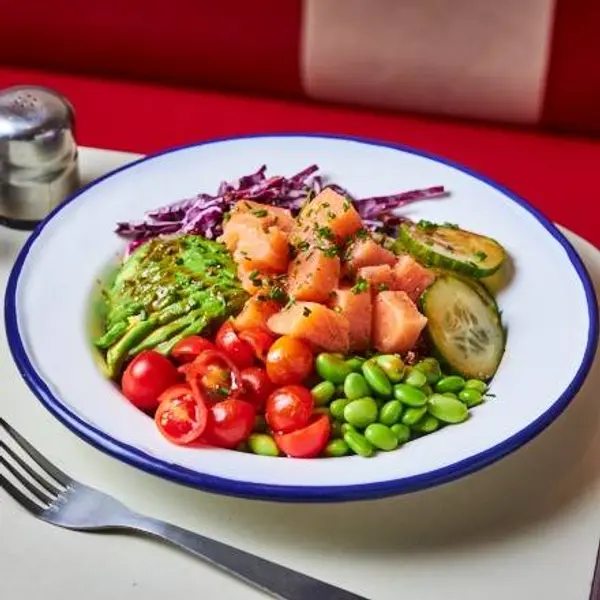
(180, 417)
(289, 360)
(257, 386)
(289, 408)
(239, 351)
(307, 442)
(189, 348)
(260, 341)
(230, 422)
(148, 375)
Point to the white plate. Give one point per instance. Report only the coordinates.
(549, 307)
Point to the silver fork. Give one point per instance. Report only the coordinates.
(62, 501)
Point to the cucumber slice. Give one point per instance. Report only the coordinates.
(449, 247)
(464, 327)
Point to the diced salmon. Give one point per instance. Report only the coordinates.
(357, 307)
(411, 277)
(269, 215)
(313, 276)
(315, 323)
(256, 313)
(367, 253)
(378, 277)
(397, 323)
(327, 212)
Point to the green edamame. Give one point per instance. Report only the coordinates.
(447, 409)
(377, 379)
(361, 412)
(452, 383)
(450, 395)
(336, 429)
(413, 414)
(390, 412)
(401, 431)
(358, 443)
(332, 367)
(427, 390)
(355, 363)
(470, 396)
(347, 427)
(431, 368)
(336, 408)
(409, 395)
(476, 384)
(337, 447)
(427, 424)
(263, 444)
(415, 378)
(322, 393)
(381, 437)
(392, 366)
(355, 386)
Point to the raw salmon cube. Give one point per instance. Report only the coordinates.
(313, 276)
(367, 253)
(256, 313)
(397, 323)
(411, 277)
(314, 323)
(380, 277)
(270, 216)
(357, 307)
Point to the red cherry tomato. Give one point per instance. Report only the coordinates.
(188, 349)
(180, 417)
(307, 442)
(230, 422)
(289, 360)
(289, 408)
(257, 386)
(259, 340)
(238, 350)
(148, 375)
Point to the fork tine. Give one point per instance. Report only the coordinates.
(21, 498)
(41, 496)
(31, 472)
(44, 463)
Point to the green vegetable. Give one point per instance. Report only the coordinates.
(447, 409)
(392, 366)
(355, 363)
(426, 424)
(263, 444)
(390, 412)
(336, 408)
(476, 384)
(452, 383)
(355, 386)
(332, 367)
(116, 354)
(415, 378)
(347, 427)
(323, 392)
(450, 395)
(381, 437)
(377, 379)
(409, 395)
(361, 412)
(466, 331)
(427, 390)
(358, 443)
(337, 447)
(412, 415)
(336, 429)
(452, 248)
(431, 368)
(115, 332)
(471, 397)
(401, 431)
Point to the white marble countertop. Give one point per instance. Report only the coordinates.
(526, 527)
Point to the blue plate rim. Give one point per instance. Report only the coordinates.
(290, 493)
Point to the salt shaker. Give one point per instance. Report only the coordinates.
(38, 154)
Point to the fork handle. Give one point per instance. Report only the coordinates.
(274, 579)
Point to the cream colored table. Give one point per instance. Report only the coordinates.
(526, 527)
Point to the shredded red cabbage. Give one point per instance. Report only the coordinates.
(204, 213)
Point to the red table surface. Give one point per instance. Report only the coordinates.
(556, 174)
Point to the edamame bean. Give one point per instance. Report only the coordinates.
(355, 386)
(323, 392)
(476, 384)
(332, 367)
(447, 409)
(427, 424)
(450, 395)
(263, 444)
(401, 431)
(336, 429)
(390, 412)
(361, 412)
(431, 368)
(337, 447)
(381, 437)
(470, 396)
(427, 390)
(392, 366)
(409, 395)
(412, 415)
(336, 408)
(355, 363)
(452, 383)
(260, 424)
(358, 443)
(347, 427)
(377, 379)
(415, 378)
